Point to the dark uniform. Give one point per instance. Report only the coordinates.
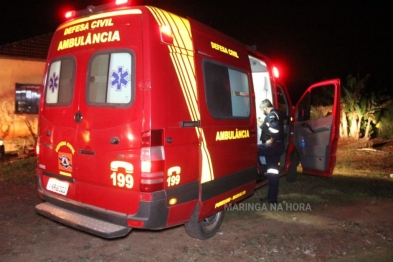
(272, 126)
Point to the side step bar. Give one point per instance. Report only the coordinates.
(88, 224)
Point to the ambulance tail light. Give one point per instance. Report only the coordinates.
(152, 161)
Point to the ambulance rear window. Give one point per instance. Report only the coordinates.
(110, 79)
(227, 91)
(60, 83)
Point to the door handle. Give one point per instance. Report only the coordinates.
(306, 125)
(86, 152)
(190, 123)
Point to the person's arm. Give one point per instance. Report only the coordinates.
(259, 122)
(274, 128)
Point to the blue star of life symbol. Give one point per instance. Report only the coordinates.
(120, 78)
(53, 82)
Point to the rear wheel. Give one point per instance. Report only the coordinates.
(206, 228)
(292, 172)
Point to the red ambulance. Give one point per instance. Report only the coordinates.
(148, 120)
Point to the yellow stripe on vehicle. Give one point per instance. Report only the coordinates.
(182, 56)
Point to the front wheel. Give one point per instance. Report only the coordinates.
(206, 228)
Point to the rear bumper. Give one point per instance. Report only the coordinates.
(102, 222)
(82, 222)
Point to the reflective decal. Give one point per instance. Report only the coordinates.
(173, 176)
(53, 84)
(118, 178)
(224, 50)
(229, 135)
(65, 152)
(229, 199)
(66, 144)
(182, 56)
(89, 39)
(65, 161)
(119, 78)
(101, 15)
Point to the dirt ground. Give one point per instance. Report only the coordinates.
(344, 218)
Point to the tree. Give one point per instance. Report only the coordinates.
(362, 107)
(352, 100)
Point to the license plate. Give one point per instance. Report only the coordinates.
(57, 186)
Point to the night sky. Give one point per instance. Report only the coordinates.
(309, 41)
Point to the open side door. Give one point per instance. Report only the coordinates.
(316, 127)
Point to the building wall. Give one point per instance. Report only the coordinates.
(18, 131)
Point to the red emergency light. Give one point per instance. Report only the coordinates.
(70, 14)
(121, 2)
(276, 74)
(166, 34)
(91, 9)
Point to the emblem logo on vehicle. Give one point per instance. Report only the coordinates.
(65, 159)
(120, 78)
(65, 162)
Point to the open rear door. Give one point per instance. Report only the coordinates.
(316, 128)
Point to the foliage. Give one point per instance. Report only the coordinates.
(363, 107)
(385, 126)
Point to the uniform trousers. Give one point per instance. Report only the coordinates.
(272, 156)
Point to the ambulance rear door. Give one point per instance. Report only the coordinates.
(316, 127)
(96, 132)
(110, 127)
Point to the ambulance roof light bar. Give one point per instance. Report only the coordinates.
(70, 14)
(121, 2)
(95, 9)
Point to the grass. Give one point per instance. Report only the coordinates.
(357, 175)
(18, 171)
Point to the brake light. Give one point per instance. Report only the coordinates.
(152, 161)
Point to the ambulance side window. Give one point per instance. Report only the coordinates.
(322, 101)
(317, 103)
(227, 91)
(60, 83)
(110, 79)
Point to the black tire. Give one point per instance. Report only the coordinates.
(206, 228)
(292, 172)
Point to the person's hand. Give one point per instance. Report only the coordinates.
(259, 121)
(270, 142)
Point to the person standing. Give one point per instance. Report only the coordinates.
(272, 147)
